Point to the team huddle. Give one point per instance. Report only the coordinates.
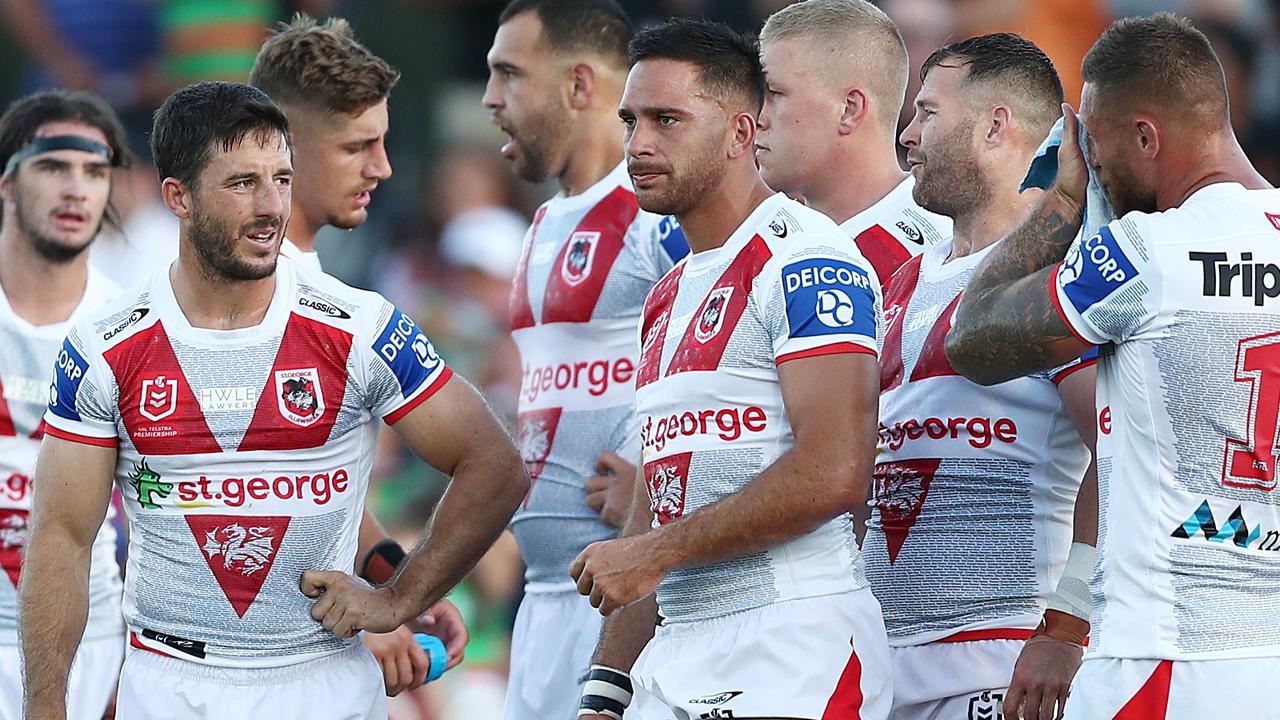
(802, 435)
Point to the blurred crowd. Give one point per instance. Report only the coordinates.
(445, 232)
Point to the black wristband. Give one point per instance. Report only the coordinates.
(380, 564)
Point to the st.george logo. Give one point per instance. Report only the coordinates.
(299, 396)
(577, 261)
(712, 317)
(159, 398)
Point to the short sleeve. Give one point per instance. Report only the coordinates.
(82, 407)
(1108, 285)
(403, 366)
(820, 300)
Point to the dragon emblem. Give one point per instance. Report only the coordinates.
(534, 445)
(246, 551)
(666, 493)
(13, 531)
(147, 484)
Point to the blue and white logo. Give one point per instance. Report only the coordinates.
(826, 296)
(1094, 269)
(68, 372)
(671, 237)
(407, 351)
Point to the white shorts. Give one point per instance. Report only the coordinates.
(952, 680)
(90, 686)
(822, 657)
(344, 686)
(1115, 689)
(554, 636)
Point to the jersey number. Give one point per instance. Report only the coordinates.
(1251, 463)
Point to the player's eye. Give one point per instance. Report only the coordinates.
(666, 120)
(630, 122)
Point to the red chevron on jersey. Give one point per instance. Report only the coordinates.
(708, 334)
(585, 260)
(667, 481)
(6, 418)
(304, 389)
(13, 542)
(520, 314)
(653, 326)
(885, 253)
(897, 295)
(157, 406)
(933, 360)
(240, 551)
(900, 491)
(536, 434)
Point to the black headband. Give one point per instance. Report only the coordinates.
(43, 145)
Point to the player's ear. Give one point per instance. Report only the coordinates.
(582, 85)
(177, 197)
(1148, 137)
(854, 111)
(742, 139)
(999, 123)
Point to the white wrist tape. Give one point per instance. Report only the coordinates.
(607, 692)
(1072, 596)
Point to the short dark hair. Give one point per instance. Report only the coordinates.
(24, 117)
(195, 119)
(1016, 64)
(728, 60)
(321, 65)
(1161, 58)
(595, 26)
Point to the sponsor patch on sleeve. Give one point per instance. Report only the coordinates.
(672, 238)
(68, 372)
(1094, 269)
(826, 296)
(406, 350)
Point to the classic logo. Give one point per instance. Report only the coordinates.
(159, 398)
(134, 317)
(147, 484)
(299, 397)
(13, 542)
(911, 231)
(986, 706)
(778, 227)
(239, 551)
(711, 320)
(324, 307)
(666, 480)
(717, 699)
(577, 261)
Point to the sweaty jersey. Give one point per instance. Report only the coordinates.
(974, 486)
(785, 285)
(26, 352)
(244, 455)
(1183, 302)
(588, 262)
(895, 229)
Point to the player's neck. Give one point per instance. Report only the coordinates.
(591, 160)
(841, 194)
(723, 210)
(982, 227)
(1225, 163)
(301, 232)
(40, 291)
(212, 302)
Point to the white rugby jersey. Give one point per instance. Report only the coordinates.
(895, 229)
(244, 455)
(974, 486)
(26, 354)
(308, 261)
(786, 285)
(589, 261)
(1185, 301)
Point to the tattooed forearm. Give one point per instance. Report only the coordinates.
(1006, 325)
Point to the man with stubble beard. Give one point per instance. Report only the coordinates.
(756, 392)
(591, 256)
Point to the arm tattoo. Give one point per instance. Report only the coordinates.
(1006, 325)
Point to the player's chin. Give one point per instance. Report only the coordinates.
(350, 219)
(655, 201)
